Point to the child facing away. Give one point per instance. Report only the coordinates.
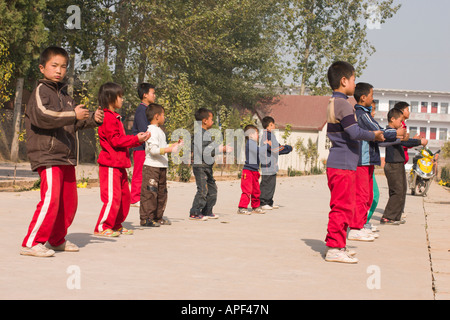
(269, 151)
(394, 170)
(154, 172)
(146, 93)
(204, 151)
(344, 133)
(113, 160)
(369, 157)
(250, 173)
(52, 120)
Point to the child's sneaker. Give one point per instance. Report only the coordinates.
(150, 223)
(369, 232)
(66, 246)
(38, 250)
(359, 235)
(125, 231)
(388, 221)
(107, 233)
(136, 204)
(339, 255)
(198, 217)
(243, 211)
(266, 207)
(212, 216)
(275, 206)
(258, 210)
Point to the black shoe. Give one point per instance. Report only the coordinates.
(388, 221)
(150, 223)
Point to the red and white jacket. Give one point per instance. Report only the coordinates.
(114, 142)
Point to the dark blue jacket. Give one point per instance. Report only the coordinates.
(251, 155)
(369, 151)
(268, 154)
(140, 123)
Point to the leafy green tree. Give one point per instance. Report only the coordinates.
(319, 32)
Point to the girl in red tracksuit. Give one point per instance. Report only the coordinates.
(113, 159)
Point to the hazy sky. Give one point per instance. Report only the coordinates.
(412, 48)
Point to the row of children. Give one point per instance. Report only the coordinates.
(356, 137)
(52, 121)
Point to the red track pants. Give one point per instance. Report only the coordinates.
(364, 196)
(115, 195)
(250, 189)
(57, 207)
(342, 204)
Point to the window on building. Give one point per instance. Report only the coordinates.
(424, 107)
(433, 133)
(414, 106)
(434, 107)
(423, 132)
(443, 134)
(412, 131)
(392, 103)
(444, 107)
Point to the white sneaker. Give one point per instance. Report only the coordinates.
(38, 250)
(266, 207)
(66, 246)
(339, 255)
(371, 233)
(243, 211)
(359, 235)
(275, 206)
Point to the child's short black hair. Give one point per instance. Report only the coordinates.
(401, 105)
(202, 113)
(108, 93)
(266, 121)
(394, 113)
(50, 52)
(337, 71)
(362, 89)
(143, 88)
(152, 110)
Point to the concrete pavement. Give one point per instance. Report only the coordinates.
(274, 256)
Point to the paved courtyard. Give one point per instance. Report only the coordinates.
(274, 256)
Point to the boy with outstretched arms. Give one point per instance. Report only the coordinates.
(344, 134)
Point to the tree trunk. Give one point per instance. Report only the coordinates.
(17, 120)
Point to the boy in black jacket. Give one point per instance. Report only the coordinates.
(394, 170)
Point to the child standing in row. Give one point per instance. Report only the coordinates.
(113, 160)
(394, 170)
(204, 151)
(250, 173)
(269, 152)
(154, 172)
(369, 157)
(52, 120)
(344, 133)
(146, 93)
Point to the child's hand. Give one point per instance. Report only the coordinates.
(401, 132)
(405, 137)
(268, 142)
(423, 142)
(144, 136)
(98, 115)
(81, 112)
(379, 136)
